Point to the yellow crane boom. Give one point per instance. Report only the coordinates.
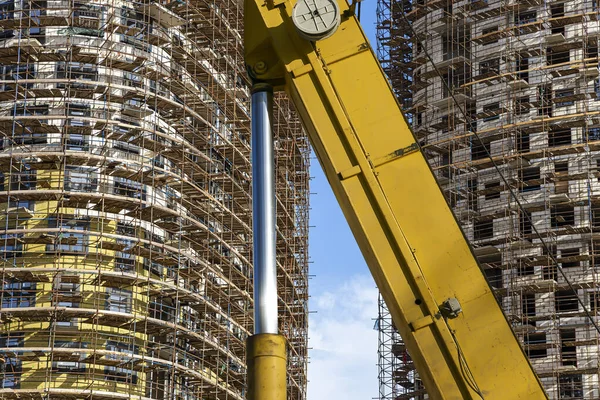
(455, 331)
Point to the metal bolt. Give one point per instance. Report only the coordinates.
(260, 67)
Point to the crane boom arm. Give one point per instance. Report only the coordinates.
(456, 333)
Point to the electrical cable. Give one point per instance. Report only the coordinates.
(464, 367)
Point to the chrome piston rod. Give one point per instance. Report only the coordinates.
(263, 211)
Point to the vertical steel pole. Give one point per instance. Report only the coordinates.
(266, 350)
(263, 211)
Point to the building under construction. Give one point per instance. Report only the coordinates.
(125, 204)
(504, 97)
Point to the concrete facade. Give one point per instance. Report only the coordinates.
(125, 204)
(504, 96)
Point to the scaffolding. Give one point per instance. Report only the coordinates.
(125, 203)
(504, 97)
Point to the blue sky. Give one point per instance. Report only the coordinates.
(343, 295)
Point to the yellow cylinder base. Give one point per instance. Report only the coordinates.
(266, 356)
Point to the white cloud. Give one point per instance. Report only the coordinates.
(326, 301)
(344, 345)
